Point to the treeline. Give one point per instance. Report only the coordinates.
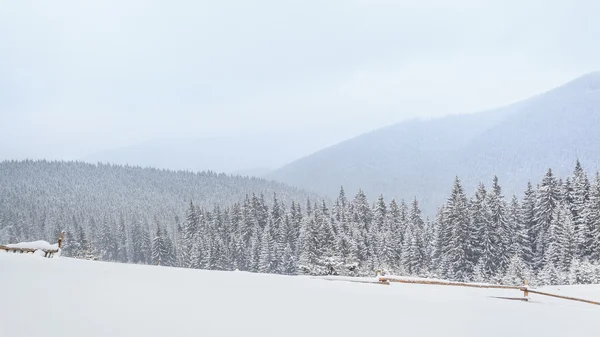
(550, 235)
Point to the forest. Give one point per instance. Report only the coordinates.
(548, 235)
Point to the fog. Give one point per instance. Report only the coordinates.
(81, 77)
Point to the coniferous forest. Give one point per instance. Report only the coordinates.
(550, 234)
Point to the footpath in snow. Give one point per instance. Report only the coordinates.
(65, 297)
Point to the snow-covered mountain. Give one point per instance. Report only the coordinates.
(420, 158)
(72, 298)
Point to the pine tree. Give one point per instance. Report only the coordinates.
(362, 217)
(266, 251)
(457, 217)
(527, 217)
(413, 253)
(516, 272)
(146, 244)
(548, 275)
(340, 206)
(189, 242)
(501, 231)
(443, 243)
(108, 246)
(278, 235)
(288, 261)
(479, 274)
(520, 238)
(122, 254)
(548, 197)
(159, 248)
(170, 258)
(308, 263)
(483, 240)
(137, 248)
(593, 221)
(579, 198)
(396, 233)
(561, 247)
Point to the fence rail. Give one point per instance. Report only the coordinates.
(524, 288)
(47, 252)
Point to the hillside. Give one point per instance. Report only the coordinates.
(40, 197)
(421, 157)
(67, 297)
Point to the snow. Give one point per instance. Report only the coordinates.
(34, 245)
(67, 297)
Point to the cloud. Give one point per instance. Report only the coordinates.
(110, 73)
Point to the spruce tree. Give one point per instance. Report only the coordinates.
(520, 244)
(189, 243)
(547, 198)
(483, 239)
(516, 272)
(122, 254)
(560, 248)
(579, 198)
(266, 251)
(457, 218)
(108, 246)
(500, 230)
(593, 221)
(396, 231)
(159, 249)
(288, 261)
(527, 217)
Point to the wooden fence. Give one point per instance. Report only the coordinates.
(524, 288)
(47, 252)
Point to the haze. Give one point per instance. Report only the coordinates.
(79, 77)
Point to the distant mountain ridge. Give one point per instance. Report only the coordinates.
(243, 155)
(518, 142)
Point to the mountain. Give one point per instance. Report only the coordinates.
(244, 155)
(420, 158)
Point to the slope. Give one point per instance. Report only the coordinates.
(54, 194)
(421, 157)
(66, 297)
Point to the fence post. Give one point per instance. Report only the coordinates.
(525, 291)
(60, 239)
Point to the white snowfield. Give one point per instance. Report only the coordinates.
(65, 297)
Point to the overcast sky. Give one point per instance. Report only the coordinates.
(81, 76)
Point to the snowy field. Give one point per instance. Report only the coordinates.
(66, 297)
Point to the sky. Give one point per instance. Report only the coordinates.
(79, 77)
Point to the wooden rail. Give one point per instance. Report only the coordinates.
(524, 288)
(444, 283)
(47, 252)
(563, 297)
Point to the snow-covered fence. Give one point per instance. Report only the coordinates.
(524, 288)
(562, 297)
(414, 280)
(43, 247)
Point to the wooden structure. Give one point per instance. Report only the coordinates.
(447, 283)
(47, 252)
(524, 288)
(562, 297)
